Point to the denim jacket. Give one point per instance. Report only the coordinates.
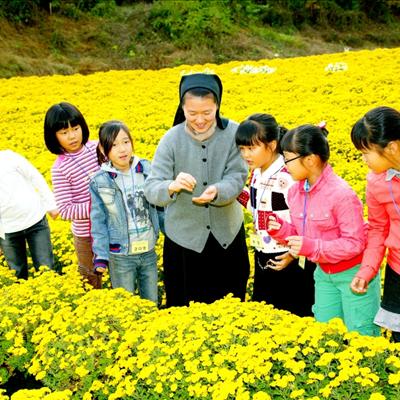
(108, 214)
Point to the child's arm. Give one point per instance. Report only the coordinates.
(280, 229)
(348, 216)
(378, 230)
(38, 182)
(69, 209)
(99, 231)
(244, 198)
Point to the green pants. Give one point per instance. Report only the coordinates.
(334, 298)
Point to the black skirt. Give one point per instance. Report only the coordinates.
(206, 276)
(290, 289)
(391, 291)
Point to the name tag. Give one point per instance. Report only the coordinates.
(256, 241)
(302, 262)
(140, 246)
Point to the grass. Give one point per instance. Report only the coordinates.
(60, 45)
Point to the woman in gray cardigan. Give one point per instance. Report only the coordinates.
(197, 174)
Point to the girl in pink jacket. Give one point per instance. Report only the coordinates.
(327, 228)
(377, 136)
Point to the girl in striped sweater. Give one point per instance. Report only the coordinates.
(66, 134)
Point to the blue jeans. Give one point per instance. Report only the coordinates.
(127, 270)
(38, 238)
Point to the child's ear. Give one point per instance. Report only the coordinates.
(311, 160)
(393, 147)
(273, 145)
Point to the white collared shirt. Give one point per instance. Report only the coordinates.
(24, 194)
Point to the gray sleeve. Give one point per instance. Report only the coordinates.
(234, 178)
(161, 175)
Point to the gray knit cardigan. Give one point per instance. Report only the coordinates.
(216, 161)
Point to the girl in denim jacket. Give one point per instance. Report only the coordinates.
(124, 226)
(327, 228)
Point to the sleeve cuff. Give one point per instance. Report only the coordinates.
(307, 247)
(273, 232)
(243, 198)
(100, 265)
(367, 273)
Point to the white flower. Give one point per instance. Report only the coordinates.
(191, 72)
(251, 69)
(335, 67)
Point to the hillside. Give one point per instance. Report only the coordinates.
(142, 36)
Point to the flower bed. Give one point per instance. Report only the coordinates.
(84, 344)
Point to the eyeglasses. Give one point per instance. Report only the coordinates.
(292, 159)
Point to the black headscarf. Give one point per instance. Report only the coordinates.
(204, 81)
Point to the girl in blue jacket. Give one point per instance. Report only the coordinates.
(124, 226)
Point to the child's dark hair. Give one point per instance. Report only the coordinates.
(259, 128)
(306, 140)
(60, 116)
(378, 126)
(108, 132)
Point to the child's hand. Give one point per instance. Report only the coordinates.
(53, 213)
(183, 181)
(359, 285)
(207, 196)
(294, 243)
(273, 224)
(282, 261)
(99, 270)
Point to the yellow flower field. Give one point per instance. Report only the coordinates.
(298, 90)
(86, 344)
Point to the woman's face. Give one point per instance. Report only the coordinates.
(200, 112)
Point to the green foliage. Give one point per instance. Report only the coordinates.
(183, 22)
(26, 11)
(19, 11)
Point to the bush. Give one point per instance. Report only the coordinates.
(186, 23)
(26, 11)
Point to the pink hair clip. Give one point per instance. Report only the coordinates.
(322, 125)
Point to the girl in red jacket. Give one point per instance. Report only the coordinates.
(377, 136)
(327, 228)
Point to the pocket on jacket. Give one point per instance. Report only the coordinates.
(323, 221)
(107, 195)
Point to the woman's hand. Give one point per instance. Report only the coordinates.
(294, 243)
(359, 285)
(207, 196)
(183, 181)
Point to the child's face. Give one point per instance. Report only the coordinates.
(295, 166)
(376, 160)
(259, 155)
(121, 152)
(70, 138)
